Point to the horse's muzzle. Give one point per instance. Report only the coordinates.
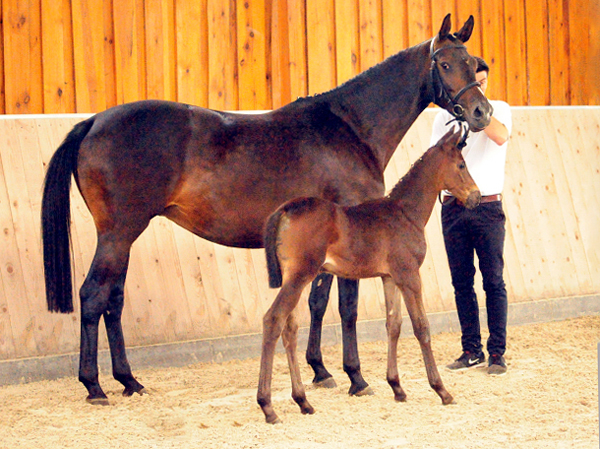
(473, 199)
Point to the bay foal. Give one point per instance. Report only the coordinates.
(383, 237)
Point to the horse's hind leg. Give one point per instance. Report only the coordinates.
(102, 295)
(290, 342)
(393, 326)
(317, 302)
(348, 307)
(411, 291)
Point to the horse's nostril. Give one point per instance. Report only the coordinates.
(477, 113)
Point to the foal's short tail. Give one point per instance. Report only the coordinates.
(273, 265)
(56, 220)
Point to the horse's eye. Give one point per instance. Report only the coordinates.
(445, 66)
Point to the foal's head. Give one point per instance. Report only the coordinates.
(453, 174)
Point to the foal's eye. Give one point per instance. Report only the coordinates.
(462, 166)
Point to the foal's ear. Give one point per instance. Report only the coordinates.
(465, 32)
(445, 29)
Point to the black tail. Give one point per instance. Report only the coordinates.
(56, 220)
(273, 266)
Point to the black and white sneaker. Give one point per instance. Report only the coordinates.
(467, 360)
(497, 365)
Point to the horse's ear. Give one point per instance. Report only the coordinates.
(445, 28)
(465, 32)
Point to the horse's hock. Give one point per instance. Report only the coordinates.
(189, 300)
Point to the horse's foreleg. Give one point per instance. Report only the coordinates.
(290, 342)
(393, 326)
(411, 291)
(273, 323)
(114, 332)
(348, 307)
(317, 302)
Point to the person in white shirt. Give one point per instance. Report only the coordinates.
(481, 231)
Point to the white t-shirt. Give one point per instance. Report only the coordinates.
(485, 159)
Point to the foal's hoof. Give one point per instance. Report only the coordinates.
(325, 383)
(273, 419)
(367, 391)
(97, 401)
(448, 400)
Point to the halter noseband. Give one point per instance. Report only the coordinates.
(442, 97)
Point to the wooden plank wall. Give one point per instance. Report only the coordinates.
(181, 287)
(84, 56)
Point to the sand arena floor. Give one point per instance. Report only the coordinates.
(548, 399)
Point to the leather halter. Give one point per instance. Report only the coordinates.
(442, 97)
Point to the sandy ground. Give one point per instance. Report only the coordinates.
(548, 399)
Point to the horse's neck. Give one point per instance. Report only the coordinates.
(415, 194)
(381, 104)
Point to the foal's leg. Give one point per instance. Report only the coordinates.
(273, 323)
(348, 307)
(317, 302)
(290, 342)
(411, 291)
(393, 326)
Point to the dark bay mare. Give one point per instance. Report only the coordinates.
(220, 175)
(383, 237)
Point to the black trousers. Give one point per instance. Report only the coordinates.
(482, 231)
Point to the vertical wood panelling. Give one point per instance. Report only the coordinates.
(464, 9)
(2, 77)
(192, 52)
(395, 25)
(159, 25)
(130, 50)
(57, 50)
(222, 70)
(298, 42)
(320, 30)
(280, 54)
(22, 56)
(93, 55)
(252, 56)
(88, 55)
(516, 57)
(494, 47)
(538, 70)
(348, 48)
(419, 21)
(371, 29)
(559, 52)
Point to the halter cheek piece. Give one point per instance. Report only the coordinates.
(442, 97)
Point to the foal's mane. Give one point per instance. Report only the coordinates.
(408, 180)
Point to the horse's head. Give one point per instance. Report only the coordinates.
(453, 174)
(453, 77)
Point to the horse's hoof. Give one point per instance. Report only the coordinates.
(127, 392)
(307, 410)
(367, 391)
(97, 401)
(325, 383)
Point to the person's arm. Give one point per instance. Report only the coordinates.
(497, 131)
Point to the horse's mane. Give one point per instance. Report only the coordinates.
(364, 78)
